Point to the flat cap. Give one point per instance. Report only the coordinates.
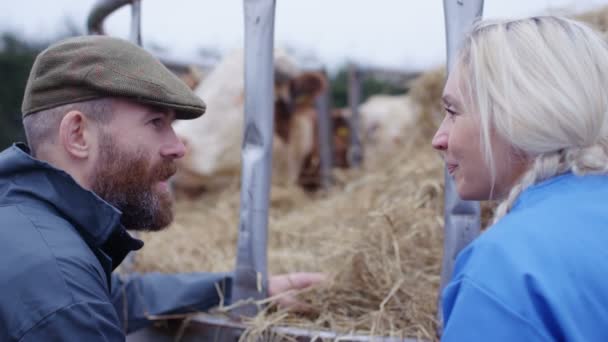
(89, 67)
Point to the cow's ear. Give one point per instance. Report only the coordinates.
(308, 85)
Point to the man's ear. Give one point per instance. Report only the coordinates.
(75, 134)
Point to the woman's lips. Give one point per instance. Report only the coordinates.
(452, 168)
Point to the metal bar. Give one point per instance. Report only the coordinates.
(99, 12)
(462, 218)
(130, 259)
(205, 327)
(355, 153)
(325, 136)
(251, 264)
(301, 334)
(136, 22)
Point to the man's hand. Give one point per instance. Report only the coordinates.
(285, 285)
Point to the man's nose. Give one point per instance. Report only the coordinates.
(175, 148)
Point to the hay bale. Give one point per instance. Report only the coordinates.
(426, 90)
(382, 250)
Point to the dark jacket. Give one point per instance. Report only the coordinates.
(59, 244)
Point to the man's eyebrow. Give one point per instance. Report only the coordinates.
(167, 112)
(158, 110)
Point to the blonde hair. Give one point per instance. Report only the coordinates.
(541, 83)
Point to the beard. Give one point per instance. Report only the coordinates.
(127, 180)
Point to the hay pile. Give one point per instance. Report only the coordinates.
(381, 240)
(378, 234)
(426, 90)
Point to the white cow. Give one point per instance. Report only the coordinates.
(386, 120)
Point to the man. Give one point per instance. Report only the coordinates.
(97, 115)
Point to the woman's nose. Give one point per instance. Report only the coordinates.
(440, 140)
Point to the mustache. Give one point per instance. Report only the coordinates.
(164, 170)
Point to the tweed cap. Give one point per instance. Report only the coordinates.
(88, 67)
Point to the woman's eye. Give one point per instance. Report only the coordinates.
(451, 113)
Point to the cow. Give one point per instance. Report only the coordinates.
(310, 173)
(213, 141)
(386, 119)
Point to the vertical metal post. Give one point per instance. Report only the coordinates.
(325, 135)
(251, 265)
(355, 153)
(136, 22)
(462, 218)
(128, 264)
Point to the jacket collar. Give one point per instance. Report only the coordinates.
(96, 220)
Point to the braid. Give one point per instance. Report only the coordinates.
(581, 161)
(588, 160)
(545, 166)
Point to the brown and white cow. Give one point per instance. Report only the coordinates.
(213, 141)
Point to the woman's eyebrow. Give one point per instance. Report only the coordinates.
(449, 101)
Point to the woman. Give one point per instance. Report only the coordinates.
(527, 123)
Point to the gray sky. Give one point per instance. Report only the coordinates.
(404, 34)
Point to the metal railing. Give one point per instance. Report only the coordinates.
(461, 218)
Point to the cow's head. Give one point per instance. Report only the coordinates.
(294, 94)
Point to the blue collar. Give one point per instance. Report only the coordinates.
(96, 220)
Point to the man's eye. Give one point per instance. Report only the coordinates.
(158, 122)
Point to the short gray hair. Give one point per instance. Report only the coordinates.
(42, 127)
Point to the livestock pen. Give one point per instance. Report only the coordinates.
(376, 232)
(399, 205)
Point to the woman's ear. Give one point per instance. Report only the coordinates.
(75, 134)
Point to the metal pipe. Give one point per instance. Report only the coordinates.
(204, 327)
(251, 265)
(355, 153)
(325, 136)
(136, 22)
(103, 8)
(99, 12)
(462, 218)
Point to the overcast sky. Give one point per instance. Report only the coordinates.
(403, 34)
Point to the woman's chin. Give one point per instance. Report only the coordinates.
(468, 193)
